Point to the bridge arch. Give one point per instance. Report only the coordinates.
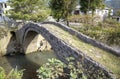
(32, 37)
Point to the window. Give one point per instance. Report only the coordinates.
(5, 5)
(2, 5)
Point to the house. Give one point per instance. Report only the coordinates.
(102, 13)
(4, 10)
(114, 4)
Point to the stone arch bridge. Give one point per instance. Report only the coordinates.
(48, 34)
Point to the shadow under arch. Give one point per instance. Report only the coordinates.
(12, 44)
(31, 37)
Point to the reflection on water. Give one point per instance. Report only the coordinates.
(30, 62)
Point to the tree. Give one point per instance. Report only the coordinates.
(62, 8)
(34, 10)
(91, 5)
(118, 13)
(57, 9)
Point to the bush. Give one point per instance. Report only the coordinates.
(75, 18)
(107, 32)
(55, 69)
(114, 36)
(13, 74)
(2, 73)
(110, 23)
(86, 19)
(80, 18)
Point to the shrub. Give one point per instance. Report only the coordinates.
(79, 18)
(2, 73)
(110, 23)
(55, 69)
(86, 19)
(13, 74)
(114, 36)
(107, 32)
(75, 18)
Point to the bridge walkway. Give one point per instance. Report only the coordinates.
(105, 58)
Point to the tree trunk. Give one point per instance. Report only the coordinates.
(58, 19)
(92, 17)
(67, 23)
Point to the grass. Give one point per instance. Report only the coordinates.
(105, 58)
(13, 74)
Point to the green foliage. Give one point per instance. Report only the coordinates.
(91, 5)
(50, 70)
(75, 18)
(98, 74)
(57, 9)
(35, 10)
(2, 73)
(55, 69)
(79, 18)
(107, 32)
(85, 19)
(118, 13)
(62, 8)
(111, 23)
(113, 36)
(13, 74)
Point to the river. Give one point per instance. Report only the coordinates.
(30, 62)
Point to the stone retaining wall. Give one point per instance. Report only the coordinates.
(86, 38)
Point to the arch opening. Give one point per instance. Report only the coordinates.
(34, 41)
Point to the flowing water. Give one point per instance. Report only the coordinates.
(30, 62)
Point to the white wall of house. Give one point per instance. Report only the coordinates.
(104, 13)
(3, 10)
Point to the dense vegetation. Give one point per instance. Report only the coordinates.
(13, 74)
(55, 69)
(91, 5)
(61, 9)
(107, 31)
(34, 10)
